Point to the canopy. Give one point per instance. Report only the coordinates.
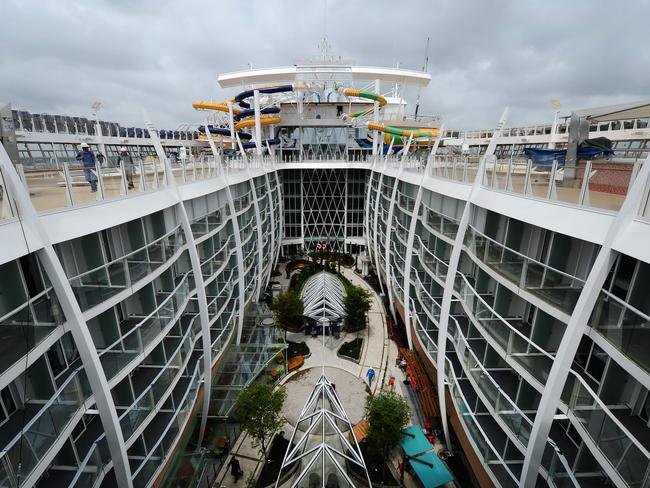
(423, 459)
(322, 297)
(321, 450)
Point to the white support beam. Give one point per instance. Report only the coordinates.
(454, 259)
(274, 246)
(258, 227)
(378, 196)
(195, 261)
(576, 327)
(389, 227)
(406, 285)
(74, 316)
(235, 228)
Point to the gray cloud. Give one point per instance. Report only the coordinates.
(59, 57)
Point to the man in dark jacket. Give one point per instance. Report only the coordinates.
(90, 165)
(235, 469)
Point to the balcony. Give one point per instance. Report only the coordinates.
(625, 327)
(97, 285)
(607, 434)
(556, 287)
(25, 327)
(40, 428)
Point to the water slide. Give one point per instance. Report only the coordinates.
(375, 97)
(244, 116)
(220, 106)
(222, 131)
(250, 112)
(262, 89)
(400, 136)
(264, 120)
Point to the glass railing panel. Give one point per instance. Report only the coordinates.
(626, 328)
(516, 421)
(554, 286)
(95, 286)
(611, 438)
(24, 328)
(48, 190)
(26, 450)
(92, 466)
(504, 476)
(559, 476)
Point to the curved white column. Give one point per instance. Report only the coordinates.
(576, 327)
(367, 211)
(451, 276)
(235, 230)
(195, 261)
(279, 189)
(406, 284)
(378, 195)
(78, 327)
(269, 200)
(258, 227)
(389, 228)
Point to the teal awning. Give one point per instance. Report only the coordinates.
(424, 461)
(414, 441)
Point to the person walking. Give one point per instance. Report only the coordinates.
(235, 469)
(90, 165)
(370, 374)
(126, 159)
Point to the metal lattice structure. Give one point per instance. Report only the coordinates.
(320, 444)
(324, 193)
(322, 297)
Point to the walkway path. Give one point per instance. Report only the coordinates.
(379, 352)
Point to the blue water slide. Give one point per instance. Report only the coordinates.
(221, 131)
(271, 142)
(249, 93)
(249, 112)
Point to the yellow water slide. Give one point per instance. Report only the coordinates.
(266, 120)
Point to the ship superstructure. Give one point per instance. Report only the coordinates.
(520, 281)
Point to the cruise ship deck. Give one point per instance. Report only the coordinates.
(132, 316)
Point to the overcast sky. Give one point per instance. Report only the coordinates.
(60, 56)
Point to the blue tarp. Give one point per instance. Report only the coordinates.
(424, 461)
(545, 157)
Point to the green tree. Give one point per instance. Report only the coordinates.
(387, 414)
(357, 303)
(258, 411)
(288, 310)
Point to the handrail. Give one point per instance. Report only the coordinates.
(545, 353)
(516, 408)
(612, 417)
(172, 420)
(524, 256)
(86, 460)
(226, 242)
(422, 246)
(27, 303)
(626, 305)
(166, 367)
(171, 296)
(126, 256)
(46, 406)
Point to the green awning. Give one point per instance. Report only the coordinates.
(424, 461)
(414, 441)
